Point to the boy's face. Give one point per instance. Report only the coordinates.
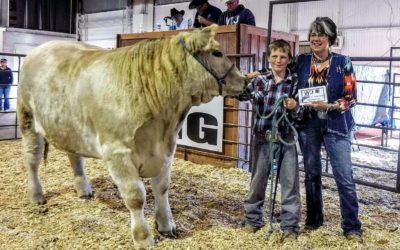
(278, 59)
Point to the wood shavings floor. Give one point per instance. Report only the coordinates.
(207, 203)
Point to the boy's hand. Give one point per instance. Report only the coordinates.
(289, 103)
(252, 75)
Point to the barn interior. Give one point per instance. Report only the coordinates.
(211, 169)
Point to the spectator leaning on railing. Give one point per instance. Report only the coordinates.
(236, 14)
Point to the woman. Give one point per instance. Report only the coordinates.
(329, 122)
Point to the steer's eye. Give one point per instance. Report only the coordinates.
(217, 53)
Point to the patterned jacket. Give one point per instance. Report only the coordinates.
(341, 88)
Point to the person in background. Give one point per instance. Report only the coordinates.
(264, 89)
(206, 13)
(330, 123)
(177, 16)
(236, 14)
(6, 79)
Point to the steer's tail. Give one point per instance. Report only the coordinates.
(32, 140)
(45, 151)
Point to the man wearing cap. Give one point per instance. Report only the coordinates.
(177, 16)
(6, 79)
(206, 14)
(235, 14)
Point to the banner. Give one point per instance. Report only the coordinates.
(203, 126)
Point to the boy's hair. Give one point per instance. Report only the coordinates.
(326, 26)
(282, 45)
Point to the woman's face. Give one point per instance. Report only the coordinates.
(319, 42)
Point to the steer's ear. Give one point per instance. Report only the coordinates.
(202, 40)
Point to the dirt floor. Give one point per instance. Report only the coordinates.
(207, 203)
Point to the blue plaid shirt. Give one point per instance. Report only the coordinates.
(264, 92)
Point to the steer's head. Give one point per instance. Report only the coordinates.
(210, 66)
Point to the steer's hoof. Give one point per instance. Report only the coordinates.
(167, 233)
(38, 199)
(41, 201)
(87, 196)
(170, 234)
(143, 244)
(84, 192)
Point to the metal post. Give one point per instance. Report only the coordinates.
(390, 90)
(16, 120)
(398, 170)
(394, 88)
(70, 15)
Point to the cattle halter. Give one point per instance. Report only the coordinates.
(220, 80)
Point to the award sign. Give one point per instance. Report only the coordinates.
(313, 94)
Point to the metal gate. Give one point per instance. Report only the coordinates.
(8, 119)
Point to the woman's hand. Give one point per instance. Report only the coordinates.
(289, 103)
(252, 75)
(324, 106)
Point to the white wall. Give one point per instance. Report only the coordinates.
(22, 40)
(368, 27)
(102, 28)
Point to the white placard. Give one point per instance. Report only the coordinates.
(313, 94)
(203, 127)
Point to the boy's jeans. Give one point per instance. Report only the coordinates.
(339, 150)
(289, 180)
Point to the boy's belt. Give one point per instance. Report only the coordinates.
(272, 138)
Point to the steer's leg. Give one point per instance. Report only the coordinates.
(164, 219)
(32, 146)
(126, 177)
(81, 183)
(32, 149)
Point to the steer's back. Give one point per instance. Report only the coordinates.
(57, 94)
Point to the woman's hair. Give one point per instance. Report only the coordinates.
(326, 26)
(280, 44)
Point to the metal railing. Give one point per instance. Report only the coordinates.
(383, 147)
(6, 117)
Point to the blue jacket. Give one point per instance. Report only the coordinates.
(212, 14)
(240, 15)
(6, 76)
(337, 122)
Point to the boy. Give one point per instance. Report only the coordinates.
(264, 89)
